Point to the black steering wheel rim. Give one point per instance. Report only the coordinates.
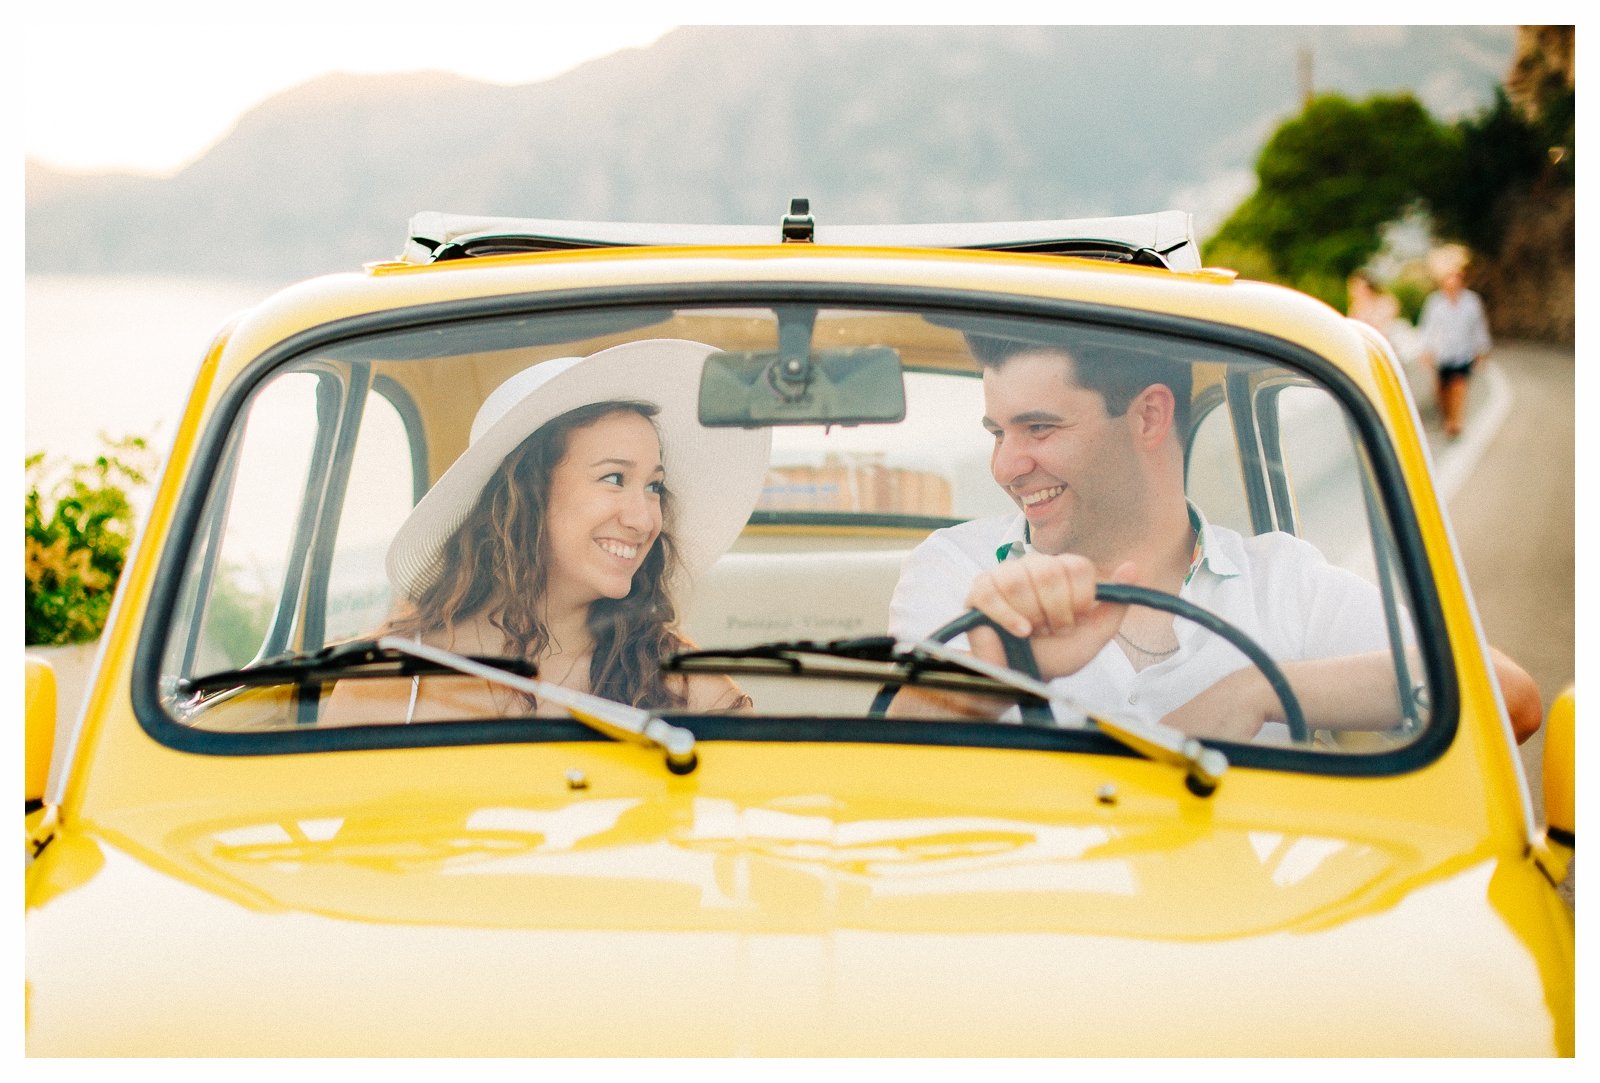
(1019, 653)
(1019, 656)
(1129, 594)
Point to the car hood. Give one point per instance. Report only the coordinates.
(679, 923)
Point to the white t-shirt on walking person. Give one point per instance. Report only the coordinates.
(1274, 587)
(1455, 332)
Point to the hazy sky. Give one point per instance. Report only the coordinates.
(149, 86)
(152, 95)
(149, 94)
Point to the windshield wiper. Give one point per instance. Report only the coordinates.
(931, 664)
(357, 659)
(875, 659)
(392, 656)
(1203, 766)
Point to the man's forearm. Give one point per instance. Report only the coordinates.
(1358, 692)
(1524, 704)
(1355, 692)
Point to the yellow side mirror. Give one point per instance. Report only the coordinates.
(40, 726)
(1560, 768)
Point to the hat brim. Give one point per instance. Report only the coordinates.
(714, 476)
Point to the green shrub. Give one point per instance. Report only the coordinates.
(1411, 289)
(77, 529)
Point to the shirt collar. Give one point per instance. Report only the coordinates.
(1209, 551)
(1015, 542)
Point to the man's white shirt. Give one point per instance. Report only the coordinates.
(1277, 589)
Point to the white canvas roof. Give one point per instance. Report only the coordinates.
(1168, 234)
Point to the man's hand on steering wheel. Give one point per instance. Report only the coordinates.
(1049, 600)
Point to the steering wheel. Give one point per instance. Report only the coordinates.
(1019, 653)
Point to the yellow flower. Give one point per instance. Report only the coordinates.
(55, 561)
(90, 576)
(41, 560)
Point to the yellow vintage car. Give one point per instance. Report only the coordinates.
(418, 730)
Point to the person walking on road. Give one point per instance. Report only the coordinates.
(1454, 332)
(1371, 303)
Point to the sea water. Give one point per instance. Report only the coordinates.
(115, 355)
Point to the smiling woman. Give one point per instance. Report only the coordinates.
(554, 538)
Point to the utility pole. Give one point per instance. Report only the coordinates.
(1306, 88)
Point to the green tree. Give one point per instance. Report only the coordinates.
(1501, 154)
(1328, 181)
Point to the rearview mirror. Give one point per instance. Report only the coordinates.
(856, 386)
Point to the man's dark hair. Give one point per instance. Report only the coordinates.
(1117, 366)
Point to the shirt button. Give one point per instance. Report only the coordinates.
(1133, 697)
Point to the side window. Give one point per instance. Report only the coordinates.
(293, 538)
(1323, 490)
(385, 473)
(234, 589)
(1320, 492)
(1215, 481)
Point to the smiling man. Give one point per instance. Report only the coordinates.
(1087, 444)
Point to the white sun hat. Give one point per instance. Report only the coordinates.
(714, 476)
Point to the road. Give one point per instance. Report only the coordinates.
(1514, 515)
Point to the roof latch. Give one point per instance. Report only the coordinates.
(798, 225)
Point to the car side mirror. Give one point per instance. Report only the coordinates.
(1560, 769)
(40, 725)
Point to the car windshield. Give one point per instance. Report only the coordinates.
(547, 488)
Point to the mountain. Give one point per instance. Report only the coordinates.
(725, 124)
